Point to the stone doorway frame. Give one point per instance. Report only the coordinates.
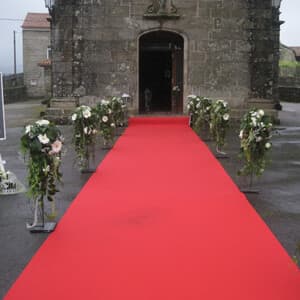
(185, 64)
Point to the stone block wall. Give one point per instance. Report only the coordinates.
(228, 47)
(35, 44)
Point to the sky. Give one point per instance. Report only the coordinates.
(17, 9)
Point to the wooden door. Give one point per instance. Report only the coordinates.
(177, 80)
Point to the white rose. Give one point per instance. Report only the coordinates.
(192, 96)
(113, 125)
(104, 119)
(42, 122)
(109, 111)
(94, 131)
(104, 102)
(74, 117)
(258, 139)
(254, 114)
(188, 106)
(47, 169)
(43, 138)
(241, 134)
(261, 112)
(268, 145)
(85, 130)
(226, 117)
(198, 105)
(28, 129)
(254, 121)
(86, 113)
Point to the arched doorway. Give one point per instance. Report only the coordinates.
(161, 72)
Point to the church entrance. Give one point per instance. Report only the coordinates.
(161, 72)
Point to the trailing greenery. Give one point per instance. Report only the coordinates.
(118, 108)
(106, 120)
(219, 122)
(199, 109)
(255, 136)
(85, 123)
(41, 144)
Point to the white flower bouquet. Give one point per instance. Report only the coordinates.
(219, 122)
(85, 123)
(199, 110)
(106, 122)
(255, 136)
(42, 144)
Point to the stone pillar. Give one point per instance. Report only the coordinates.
(62, 49)
(276, 48)
(261, 38)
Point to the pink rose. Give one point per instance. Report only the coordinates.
(56, 147)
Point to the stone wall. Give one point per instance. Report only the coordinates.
(229, 47)
(14, 89)
(289, 94)
(35, 44)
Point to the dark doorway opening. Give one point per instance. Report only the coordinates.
(160, 72)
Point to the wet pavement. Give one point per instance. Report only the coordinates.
(278, 201)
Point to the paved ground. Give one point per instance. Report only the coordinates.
(278, 201)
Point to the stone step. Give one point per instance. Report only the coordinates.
(260, 104)
(63, 103)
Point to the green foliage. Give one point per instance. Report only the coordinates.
(85, 121)
(118, 108)
(288, 64)
(199, 109)
(41, 143)
(106, 120)
(219, 122)
(255, 135)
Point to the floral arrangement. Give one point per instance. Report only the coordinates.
(106, 121)
(84, 134)
(203, 113)
(192, 102)
(118, 108)
(219, 122)
(255, 136)
(42, 144)
(199, 109)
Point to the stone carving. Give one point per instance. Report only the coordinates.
(161, 9)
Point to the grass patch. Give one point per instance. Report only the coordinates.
(288, 64)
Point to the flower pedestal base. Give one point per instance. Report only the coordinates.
(87, 171)
(107, 144)
(88, 160)
(43, 228)
(249, 189)
(221, 154)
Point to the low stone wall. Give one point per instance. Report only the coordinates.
(15, 94)
(14, 89)
(289, 94)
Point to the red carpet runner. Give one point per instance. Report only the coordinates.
(160, 220)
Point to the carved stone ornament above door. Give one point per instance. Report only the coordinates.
(161, 9)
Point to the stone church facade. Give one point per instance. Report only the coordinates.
(159, 52)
